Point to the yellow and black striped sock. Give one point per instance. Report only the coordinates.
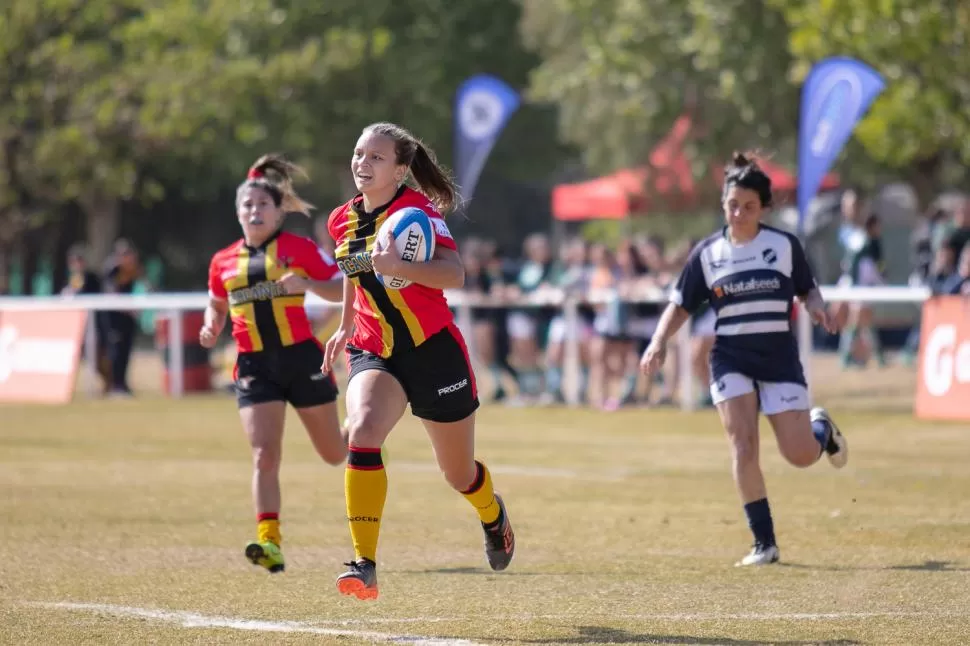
(268, 528)
(365, 487)
(482, 496)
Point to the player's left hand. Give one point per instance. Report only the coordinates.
(821, 316)
(653, 359)
(294, 283)
(384, 258)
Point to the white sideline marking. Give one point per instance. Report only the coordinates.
(195, 620)
(510, 469)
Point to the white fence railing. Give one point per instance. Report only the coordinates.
(172, 305)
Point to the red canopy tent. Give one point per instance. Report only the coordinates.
(669, 179)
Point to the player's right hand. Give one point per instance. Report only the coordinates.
(208, 337)
(653, 359)
(334, 345)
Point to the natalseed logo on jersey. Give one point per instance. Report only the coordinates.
(749, 286)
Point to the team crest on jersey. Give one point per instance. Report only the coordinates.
(284, 262)
(355, 264)
(769, 256)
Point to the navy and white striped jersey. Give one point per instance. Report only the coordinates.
(751, 288)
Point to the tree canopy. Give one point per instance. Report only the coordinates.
(623, 70)
(114, 102)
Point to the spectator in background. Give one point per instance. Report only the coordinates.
(944, 278)
(571, 274)
(499, 273)
(851, 238)
(922, 260)
(478, 285)
(963, 272)
(640, 320)
(958, 235)
(653, 251)
(851, 232)
(608, 343)
(122, 270)
(82, 280)
(527, 325)
(864, 268)
(921, 244)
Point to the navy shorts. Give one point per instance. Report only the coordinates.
(289, 374)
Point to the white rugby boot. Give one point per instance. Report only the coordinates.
(838, 448)
(760, 555)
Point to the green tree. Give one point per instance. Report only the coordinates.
(920, 124)
(115, 104)
(622, 71)
(102, 89)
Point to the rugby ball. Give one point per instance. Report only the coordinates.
(413, 239)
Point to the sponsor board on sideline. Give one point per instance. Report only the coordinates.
(943, 387)
(39, 355)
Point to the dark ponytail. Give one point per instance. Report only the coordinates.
(274, 174)
(432, 179)
(744, 172)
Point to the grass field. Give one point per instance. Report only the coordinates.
(124, 522)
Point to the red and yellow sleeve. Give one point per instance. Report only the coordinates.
(217, 286)
(335, 223)
(316, 262)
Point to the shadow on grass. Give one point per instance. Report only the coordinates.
(926, 566)
(600, 634)
(473, 570)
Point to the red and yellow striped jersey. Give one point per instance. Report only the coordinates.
(387, 320)
(263, 316)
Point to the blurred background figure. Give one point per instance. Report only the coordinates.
(945, 278)
(608, 345)
(963, 272)
(122, 270)
(499, 272)
(480, 286)
(528, 325)
(865, 268)
(956, 231)
(81, 279)
(571, 274)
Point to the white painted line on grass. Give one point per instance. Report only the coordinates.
(195, 620)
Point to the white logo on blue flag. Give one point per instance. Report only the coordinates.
(836, 95)
(483, 105)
